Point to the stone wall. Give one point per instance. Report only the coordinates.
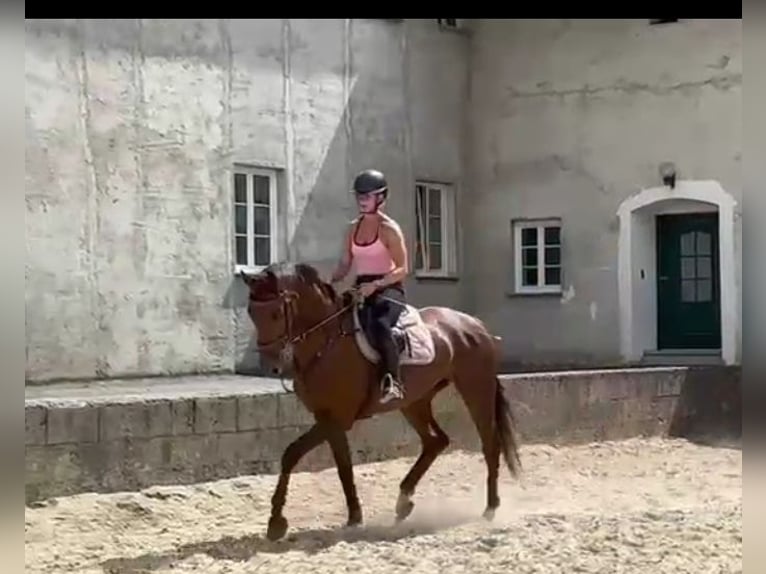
(197, 430)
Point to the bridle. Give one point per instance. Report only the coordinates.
(287, 299)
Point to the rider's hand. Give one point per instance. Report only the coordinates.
(367, 289)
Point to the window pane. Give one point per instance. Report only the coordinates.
(262, 251)
(553, 275)
(529, 257)
(529, 236)
(704, 290)
(529, 277)
(704, 267)
(240, 187)
(687, 267)
(261, 189)
(240, 219)
(553, 255)
(434, 202)
(687, 291)
(418, 255)
(434, 256)
(434, 230)
(552, 235)
(687, 243)
(241, 250)
(420, 198)
(261, 216)
(703, 243)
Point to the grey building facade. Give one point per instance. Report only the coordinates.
(162, 156)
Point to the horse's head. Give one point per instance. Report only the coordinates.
(283, 308)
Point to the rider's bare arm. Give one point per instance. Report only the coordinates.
(392, 237)
(344, 264)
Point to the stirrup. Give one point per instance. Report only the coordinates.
(390, 389)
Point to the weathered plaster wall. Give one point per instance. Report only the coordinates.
(568, 118)
(133, 127)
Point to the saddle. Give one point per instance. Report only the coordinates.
(414, 340)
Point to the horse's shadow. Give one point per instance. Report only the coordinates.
(310, 541)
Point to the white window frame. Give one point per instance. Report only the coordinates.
(539, 225)
(448, 231)
(250, 171)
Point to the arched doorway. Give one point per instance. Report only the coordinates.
(677, 287)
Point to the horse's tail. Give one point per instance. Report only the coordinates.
(506, 430)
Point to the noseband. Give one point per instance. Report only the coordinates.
(287, 299)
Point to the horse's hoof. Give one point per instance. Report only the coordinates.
(489, 514)
(277, 528)
(404, 509)
(355, 518)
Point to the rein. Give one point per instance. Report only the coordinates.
(287, 298)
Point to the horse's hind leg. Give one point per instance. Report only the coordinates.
(479, 395)
(434, 441)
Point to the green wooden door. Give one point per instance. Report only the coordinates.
(688, 290)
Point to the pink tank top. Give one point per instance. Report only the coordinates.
(372, 258)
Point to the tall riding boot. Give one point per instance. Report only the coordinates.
(391, 385)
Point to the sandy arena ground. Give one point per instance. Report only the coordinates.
(647, 505)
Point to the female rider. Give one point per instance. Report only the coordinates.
(374, 246)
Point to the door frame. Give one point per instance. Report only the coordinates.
(637, 292)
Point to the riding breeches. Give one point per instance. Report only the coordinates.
(380, 312)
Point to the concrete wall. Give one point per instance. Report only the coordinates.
(132, 128)
(568, 118)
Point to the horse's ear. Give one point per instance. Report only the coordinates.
(261, 284)
(307, 274)
(271, 281)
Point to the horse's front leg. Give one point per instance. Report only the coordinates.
(292, 455)
(338, 440)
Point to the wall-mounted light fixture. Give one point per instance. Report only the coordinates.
(668, 174)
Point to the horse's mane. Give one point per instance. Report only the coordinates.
(303, 272)
(309, 275)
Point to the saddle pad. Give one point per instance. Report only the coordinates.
(419, 346)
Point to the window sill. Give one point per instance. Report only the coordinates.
(436, 277)
(550, 294)
(248, 269)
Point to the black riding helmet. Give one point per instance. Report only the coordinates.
(370, 181)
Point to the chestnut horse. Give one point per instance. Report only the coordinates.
(306, 329)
